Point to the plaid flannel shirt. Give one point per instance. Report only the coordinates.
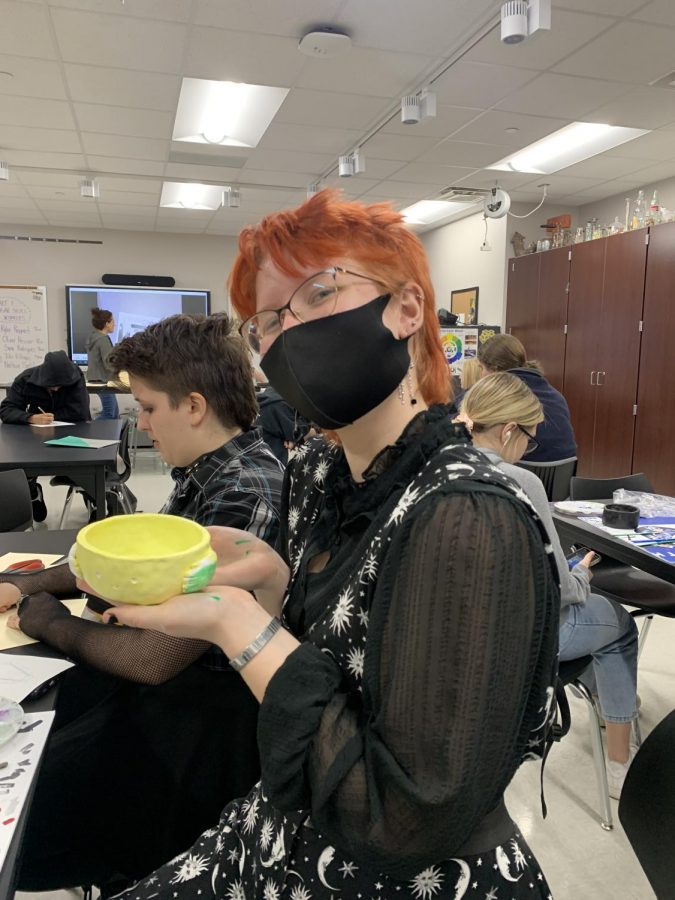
(238, 485)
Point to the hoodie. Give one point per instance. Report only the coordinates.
(29, 392)
(554, 435)
(279, 422)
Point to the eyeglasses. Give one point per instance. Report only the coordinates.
(532, 443)
(315, 298)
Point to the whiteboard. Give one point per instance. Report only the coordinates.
(23, 328)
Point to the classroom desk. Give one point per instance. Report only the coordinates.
(573, 530)
(23, 447)
(42, 541)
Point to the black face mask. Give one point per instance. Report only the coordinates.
(337, 369)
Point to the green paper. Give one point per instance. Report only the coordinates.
(71, 441)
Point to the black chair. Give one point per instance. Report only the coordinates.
(616, 580)
(570, 673)
(555, 476)
(647, 807)
(16, 509)
(115, 489)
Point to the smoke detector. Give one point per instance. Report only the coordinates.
(325, 43)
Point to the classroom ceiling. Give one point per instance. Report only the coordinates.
(90, 88)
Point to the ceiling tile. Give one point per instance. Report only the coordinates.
(284, 136)
(120, 41)
(654, 172)
(608, 7)
(660, 12)
(32, 78)
(426, 173)
(242, 56)
(40, 139)
(401, 147)
(81, 207)
(45, 160)
(167, 10)
(325, 108)
(569, 32)
(21, 217)
(12, 188)
(25, 30)
(129, 224)
(428, 26)
(286, 161)
(649, 107)
(658, 145)
(117, 87)
(603, 167)
(507, 180)
(55, 192)
(33, 111)
(118, 120)
(16, 203)
(558, 185)
(448, 119)
(266, 16)
(405, 191)
(129, 199)
(464, 153)
(610, 56)
(132, 185)
(490, 128)
(118, 145)
(563, 96)
(207, 174)
(102, 164)
(273, 177)
(375, 72)
(480, 84)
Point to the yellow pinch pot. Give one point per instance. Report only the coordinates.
(144, 559)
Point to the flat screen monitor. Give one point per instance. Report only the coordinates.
(133, 308)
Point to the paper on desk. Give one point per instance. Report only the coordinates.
(87, 443)
(21, 754)
(19, 675)
(50, 424)
(12, 637)
(46, 559)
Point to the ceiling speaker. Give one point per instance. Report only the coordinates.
(159, 281)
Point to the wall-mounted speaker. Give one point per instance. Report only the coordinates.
(159, 281)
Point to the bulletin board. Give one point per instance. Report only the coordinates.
(465, 303)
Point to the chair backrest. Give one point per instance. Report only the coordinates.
(603, 488)
(554, 476)
(124, 451)
(16, 510)
(647, 806)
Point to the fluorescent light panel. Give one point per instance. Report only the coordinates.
(191, 196)
(228, 113)
(565, 147)
(425, 212)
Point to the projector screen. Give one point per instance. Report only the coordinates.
(133, 308)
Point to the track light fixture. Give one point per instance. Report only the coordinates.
(415, 107)
(232, 198)
(90, 189)
(313, 188)
(4, 170)
(353, 163)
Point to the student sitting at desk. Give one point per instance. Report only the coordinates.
(138, 764)
(54, 390)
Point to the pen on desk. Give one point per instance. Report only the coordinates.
(42, 411)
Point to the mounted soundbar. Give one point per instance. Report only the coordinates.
(159, 281)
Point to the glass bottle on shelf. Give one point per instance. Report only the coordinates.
(588, 236)
(639, 211)
(616, 227)
(654, 217)
(580, 235)
(597, 229)
(629, 221)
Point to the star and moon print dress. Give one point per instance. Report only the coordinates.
(385, 738)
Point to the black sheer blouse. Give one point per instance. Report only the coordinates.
(429, 642)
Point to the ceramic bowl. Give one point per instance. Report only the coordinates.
(144, 559)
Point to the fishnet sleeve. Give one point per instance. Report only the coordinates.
(402, 773)
(146, 657)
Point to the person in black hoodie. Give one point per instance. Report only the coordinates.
(555, 436)
(282, 426)
(54, 390)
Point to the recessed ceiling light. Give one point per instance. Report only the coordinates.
(227, 113)
(425, 212)
(563, 148)
(192, 196)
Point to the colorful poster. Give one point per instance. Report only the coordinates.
(459, 344)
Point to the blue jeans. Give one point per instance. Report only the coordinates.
(604, 630)
(110, 409)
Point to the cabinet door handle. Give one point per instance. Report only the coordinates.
(598, 382)
(592, 374)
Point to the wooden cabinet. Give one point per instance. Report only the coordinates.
(536, 308)
(607, 367)
(654, 449)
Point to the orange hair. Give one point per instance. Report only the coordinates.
(326, 227)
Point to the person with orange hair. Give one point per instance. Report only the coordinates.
(402, 639)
